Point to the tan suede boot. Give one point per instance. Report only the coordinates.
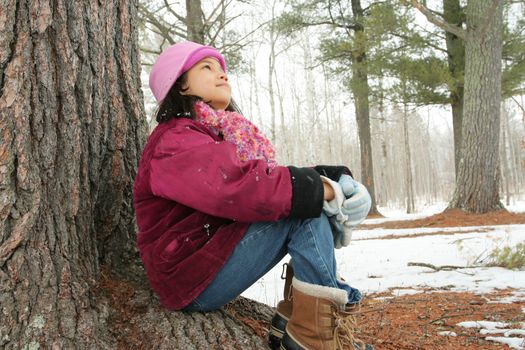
(284, 308)
(320, 320)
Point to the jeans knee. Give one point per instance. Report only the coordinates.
(314, 230)
(320, 224)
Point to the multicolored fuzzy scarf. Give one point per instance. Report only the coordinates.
(236, 129)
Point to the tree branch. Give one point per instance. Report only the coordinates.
(442, 268)
(519, 105)
(170, 10)
(428, 43)
(215, 10)
(150, 18)
(457, 31)
(236, 43)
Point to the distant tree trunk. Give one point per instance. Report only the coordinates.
(283, 130)
(477, 186)
(360, 90)
(195, 27)
(408, 164)
(383, 195)
(453, 13)
(72, 130)
(329, 118)
(271, 68)
(506, 177)
(513, 155)
(273, 134)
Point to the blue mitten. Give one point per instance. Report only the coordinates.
(342, 234)
(357, 206)
(348, 185)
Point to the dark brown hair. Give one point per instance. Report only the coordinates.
(176, 105)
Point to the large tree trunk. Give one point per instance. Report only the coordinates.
(453, 13)
(72, 132)
(477, 185)
(360, 90)
(72, 129)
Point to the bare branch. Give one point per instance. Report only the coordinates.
(163, 30)
(220, 16)
(223, 25)
(221, 3)
(170, 10)
(236, 43)
(519, 105)
(151, 51)
(457, 31)
(443, 267)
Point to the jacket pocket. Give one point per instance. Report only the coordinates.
(174, 246)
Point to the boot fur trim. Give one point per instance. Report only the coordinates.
(338, 296)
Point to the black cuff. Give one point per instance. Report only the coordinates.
(333, 172)
(307, 193)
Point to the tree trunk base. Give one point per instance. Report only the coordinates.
(137, 320)
(456, 206)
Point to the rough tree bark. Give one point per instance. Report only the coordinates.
(477, 185)
(478, 175)
(72, 129)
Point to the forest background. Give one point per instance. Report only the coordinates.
(290, 64)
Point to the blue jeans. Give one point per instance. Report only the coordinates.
(309, 242)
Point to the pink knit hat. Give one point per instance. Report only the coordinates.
(176, 60)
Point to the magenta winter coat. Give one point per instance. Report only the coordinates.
(194, 200)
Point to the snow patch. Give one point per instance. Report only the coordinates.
(505, 332)
(483, 324)
(400, 292)
(448, 334)
(517, 296)
(513, 343)
(487, 327)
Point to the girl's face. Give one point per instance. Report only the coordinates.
(207, 80)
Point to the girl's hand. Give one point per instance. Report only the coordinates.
(328, 192)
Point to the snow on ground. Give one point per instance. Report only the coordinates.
(497, 328)
(374, 265)
(397, 214)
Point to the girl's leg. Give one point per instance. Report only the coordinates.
(313, 258)
(261, 248)
(309, 242)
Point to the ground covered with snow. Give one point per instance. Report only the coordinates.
(416, 269)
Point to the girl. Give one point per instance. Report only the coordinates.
(216, 212)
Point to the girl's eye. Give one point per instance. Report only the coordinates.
(207, 66)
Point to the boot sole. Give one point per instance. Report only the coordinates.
(277, 328)
(288, 343)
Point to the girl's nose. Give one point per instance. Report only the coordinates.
(223, 75)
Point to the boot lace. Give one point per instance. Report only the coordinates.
(345, 325)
